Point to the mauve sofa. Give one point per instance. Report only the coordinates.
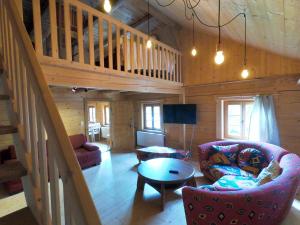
(87, 154)
(267, 204)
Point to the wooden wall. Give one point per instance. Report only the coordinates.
(205, 82)
(202, 69)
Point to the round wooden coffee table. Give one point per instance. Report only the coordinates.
(162, 173)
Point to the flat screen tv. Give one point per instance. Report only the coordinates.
(180, 113)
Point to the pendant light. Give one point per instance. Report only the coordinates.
(107, 6)
(149, 42)
(194, 50)
(245, 71)
(219, 57)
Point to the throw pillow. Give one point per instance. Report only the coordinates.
(224, 155)
(263, 177)
(274, 169)
(252, 160)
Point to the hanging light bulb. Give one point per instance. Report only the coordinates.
(245, 73)
(149, 43)
(194, 51)
(219, 58)
(107, 6)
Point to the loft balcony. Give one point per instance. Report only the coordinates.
(79, 46)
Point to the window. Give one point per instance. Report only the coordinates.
(235, 118)
(152, 116)
(106, 115)
(92, 114)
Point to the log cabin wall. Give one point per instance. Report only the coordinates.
(202, 69)
(270, 74)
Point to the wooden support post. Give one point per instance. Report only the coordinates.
(38, 44)
(118, 48)
(80, 36)
(101, 47)
(67, 30)
(91, 39)
(110, 50)
(53, 28)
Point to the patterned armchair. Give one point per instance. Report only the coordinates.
(265, 204)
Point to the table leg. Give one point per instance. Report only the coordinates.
(140, 183)
(163, 196)
(192, 182)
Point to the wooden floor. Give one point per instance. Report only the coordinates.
(20, 217)
(113, 187)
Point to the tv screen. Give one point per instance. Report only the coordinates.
(180, 113)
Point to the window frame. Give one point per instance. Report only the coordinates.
(152, 105)
(95, 117)
(243, 102)
(106, 122)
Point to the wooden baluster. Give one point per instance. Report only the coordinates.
(132, 52)
(163, 63)
(32, 129)
(19, 4)
(149, 56)
(118, 48)
(180, 74)
(101, 47)
(2, 27)
(169, 65)
(53, 28)
(91, 39)
(67, 30)
(159, 61)
(177, 67)
(110, 50)
(67, 201)
(80, 36)
(138, 54)
(172, 66)
(154, 58)
(125, 51)
(17, 59)
(38, 44)
(43, 166)
(54, 182)
(144, 52)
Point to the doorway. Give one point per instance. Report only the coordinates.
(98, 123)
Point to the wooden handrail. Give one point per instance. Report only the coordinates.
(28, 86)
(132, 57)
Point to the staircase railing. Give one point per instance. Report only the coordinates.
(72, 33)
(56, 190)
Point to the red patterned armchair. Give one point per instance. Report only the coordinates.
(265, 204)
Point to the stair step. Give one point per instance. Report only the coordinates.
(7, 129)
(4, 97)
(11, 171)
(20, 217)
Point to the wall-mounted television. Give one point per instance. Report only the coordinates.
(180, 113)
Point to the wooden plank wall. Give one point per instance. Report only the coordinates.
(202, 69)
(286, 94)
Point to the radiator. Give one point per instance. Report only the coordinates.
(145, 138)
(105, 132)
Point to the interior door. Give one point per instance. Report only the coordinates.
(122, 126)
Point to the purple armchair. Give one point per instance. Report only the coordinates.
(265, 204)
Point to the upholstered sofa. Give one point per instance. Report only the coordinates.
(265, 204)
(6, 156)
(87, 154)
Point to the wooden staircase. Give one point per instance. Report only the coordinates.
(20, 217)
(55, 189)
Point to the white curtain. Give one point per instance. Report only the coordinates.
(263, 124)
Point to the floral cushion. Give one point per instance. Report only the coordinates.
(218, 171)
(232, 182)
(224, 155)
(274, 169)
(263, 177)
(252, 160)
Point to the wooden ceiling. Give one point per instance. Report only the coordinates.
(271, 24)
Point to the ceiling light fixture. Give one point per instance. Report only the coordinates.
(194, 50)
(245, 72)
(107, 6)
(190, 7)
(149, 42)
